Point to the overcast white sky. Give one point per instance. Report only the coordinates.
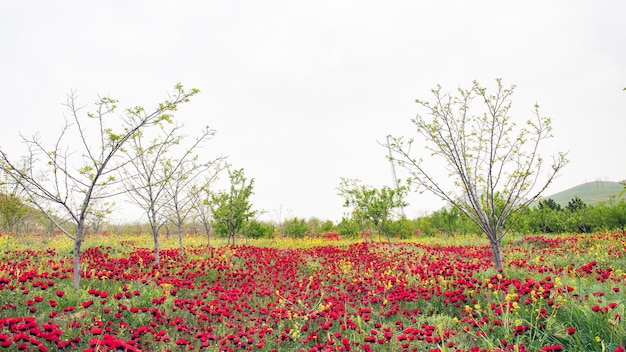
(301, 91)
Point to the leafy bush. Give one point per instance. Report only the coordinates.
(295, 228)
(255, 229)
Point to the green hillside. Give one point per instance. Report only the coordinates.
(591, 192)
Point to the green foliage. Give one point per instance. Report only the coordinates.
(327, 226)
(12, 210)
(348, 228)
(402, 228)
(607, 216)
(372, 206)
(314, 225)
(615, 217)
(295, 228)
(547, 220)
(576, 217)
(452, 221)
(549, 203)
(576, 204)
(256, 230)
(425, 225)
(232, 209)
(546, 217)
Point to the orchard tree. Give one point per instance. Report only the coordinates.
(255, 229)
(232, 209)
(549, 204)
(80, 168)
(372, 205)
(348, 227)
(182, 190)
(201, 208)
(616, 214)
(97, 219)
(579, 216)
(495, 167)
(154, 167)
(314, 225)
(295, 227)
(547, 217)
(13, 209)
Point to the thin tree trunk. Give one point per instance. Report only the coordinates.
(155, 236)
(384, 229)
(207, 230)
(364, 233)
(496, 252)
(180, 241)
(76, 262)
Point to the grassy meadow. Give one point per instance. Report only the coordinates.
(557, 293)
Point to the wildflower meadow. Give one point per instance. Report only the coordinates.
(556, 293)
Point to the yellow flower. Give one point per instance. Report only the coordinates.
(510, 297)
(598, 339)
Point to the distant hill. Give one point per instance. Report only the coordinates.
(591, 192)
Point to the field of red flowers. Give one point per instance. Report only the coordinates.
(562, 293)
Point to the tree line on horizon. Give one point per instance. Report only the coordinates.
(547, 217)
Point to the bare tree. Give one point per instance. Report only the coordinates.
(495, 167)
(152, 169)
(81, 167)
(201, 207)
(182, 190)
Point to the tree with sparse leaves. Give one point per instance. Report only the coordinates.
(201, 209)
(81, 166)
(372, 205)
(182, 190)
(495, 167)
(159, 171)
